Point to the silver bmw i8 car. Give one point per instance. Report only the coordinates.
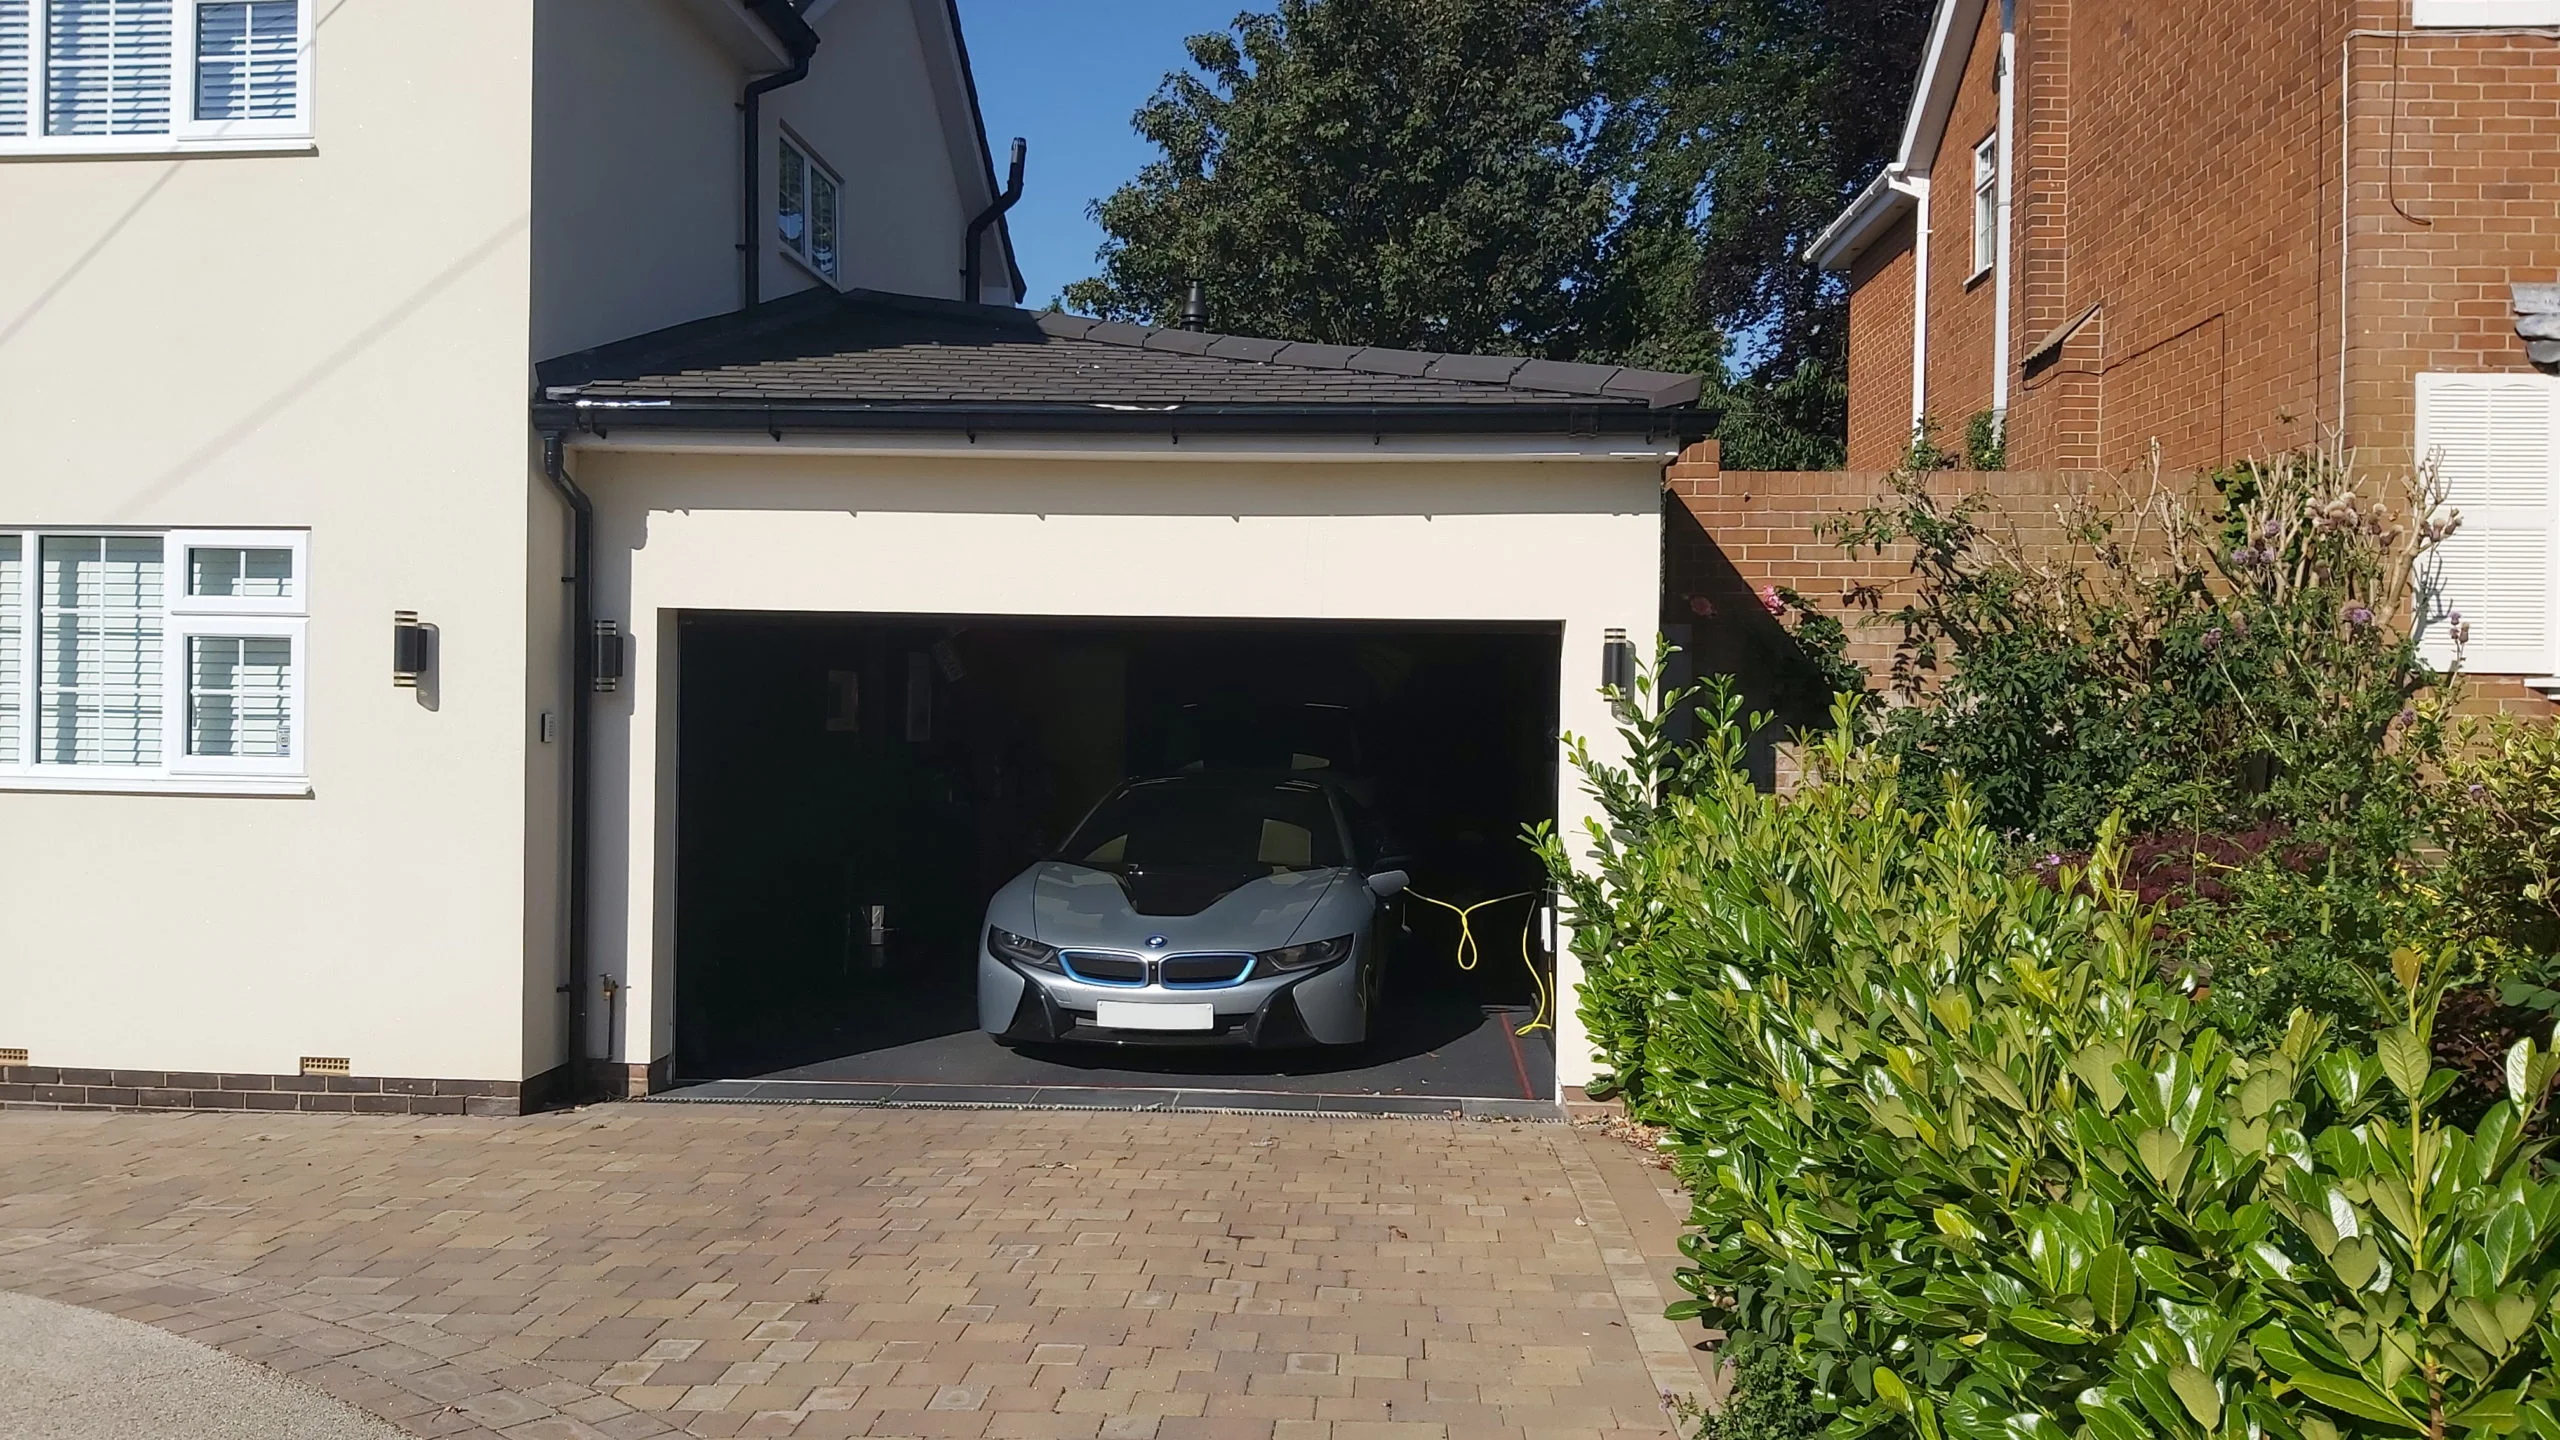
(1196, 909)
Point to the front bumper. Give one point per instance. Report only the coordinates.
(1318, 1007)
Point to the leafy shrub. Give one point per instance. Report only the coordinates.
(1769, 1399)
(1964, 1149)
(2203, 668)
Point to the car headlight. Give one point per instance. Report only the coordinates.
(1308, 956)
(1022, 950)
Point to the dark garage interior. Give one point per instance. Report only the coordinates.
(851, 789)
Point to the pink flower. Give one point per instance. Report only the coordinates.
(1770, 601)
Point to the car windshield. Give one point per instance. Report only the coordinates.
(1276, 824)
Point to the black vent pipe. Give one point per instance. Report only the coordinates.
(801, 42)
(973, 258)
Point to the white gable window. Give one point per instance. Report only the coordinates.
(2498, 14)
(2495, 441)
(807, 209)
(1986, 206)
(128, 76)
(146, 661)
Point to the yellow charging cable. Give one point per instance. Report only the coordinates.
(1469, 952)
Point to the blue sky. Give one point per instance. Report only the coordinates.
(1068, 74)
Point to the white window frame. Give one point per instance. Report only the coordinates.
(809, 163)
(1986, 207)
(184, 617)
(2483, 14)
(185, 133)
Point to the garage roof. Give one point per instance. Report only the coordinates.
(864, 359)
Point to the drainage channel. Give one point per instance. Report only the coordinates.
(1312, 1104)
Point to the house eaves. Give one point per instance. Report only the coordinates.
(1870, 215)
(1933, 99)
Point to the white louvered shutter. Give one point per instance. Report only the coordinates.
(2496, 439)
(13, 638)
(107, 67)
(248, 60)
(16, 67)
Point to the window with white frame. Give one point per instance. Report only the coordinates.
(1986, 204)
(125, 75)
(807, 209)
(133, 657)
(2483, 14)
(2490, 587)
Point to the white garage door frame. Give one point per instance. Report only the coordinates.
(1537, 531)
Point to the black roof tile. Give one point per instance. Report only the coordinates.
(879, 351)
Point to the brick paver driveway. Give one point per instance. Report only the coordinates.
(639, 1270)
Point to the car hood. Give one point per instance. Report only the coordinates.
(1079, 905)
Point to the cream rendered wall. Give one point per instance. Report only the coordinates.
(635, 172)
(333, 340)
(870, 111)
(1571, 541)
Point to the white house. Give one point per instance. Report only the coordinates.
(336, 337)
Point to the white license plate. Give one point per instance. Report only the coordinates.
(1125, 1015)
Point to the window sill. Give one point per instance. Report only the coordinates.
(292, 787)
(149, 147)
(812, 271)
(2483, 14)
(1978, 276)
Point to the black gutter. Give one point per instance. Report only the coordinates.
(973, 261)
(581, 642)
(603, 416)
(800, 42)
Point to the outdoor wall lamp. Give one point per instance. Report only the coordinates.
(409, 652)
(607, 660)
(1617, 662)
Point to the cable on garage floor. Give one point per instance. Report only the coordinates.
(1470, 952)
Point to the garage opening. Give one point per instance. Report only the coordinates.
(852, 789)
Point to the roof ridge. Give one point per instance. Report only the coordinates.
(1660, 389)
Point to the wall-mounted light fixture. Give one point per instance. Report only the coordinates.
(1617, 662)
(408, 649)
(608, 657)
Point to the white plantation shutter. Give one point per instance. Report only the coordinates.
(16, 69)
(100, 650)
(248, 59)
(107, 67)
(2496, 442)
(240, 696)
(13, 680)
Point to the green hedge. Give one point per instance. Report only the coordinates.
(1968, 1155)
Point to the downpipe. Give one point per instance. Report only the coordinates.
(578, 636)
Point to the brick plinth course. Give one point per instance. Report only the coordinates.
(49, 1087)
(632, 1271)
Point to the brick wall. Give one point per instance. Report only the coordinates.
(1880, 351)
(1728, 533)
(2177, 167)
(2456, 166)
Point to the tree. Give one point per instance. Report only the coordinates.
(1410, 173)
(1623, 181)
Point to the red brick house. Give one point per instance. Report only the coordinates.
(2229, 230)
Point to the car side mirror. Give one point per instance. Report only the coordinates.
(1389, 882)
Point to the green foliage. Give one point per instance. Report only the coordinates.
(1986, 442)
(1408, 173)
(2498, 823)
(1625, 181)
(1769, 1400)
(2210, 671)
(1964, 1146)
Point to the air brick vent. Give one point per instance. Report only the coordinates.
(11, 1055)
(324, 1065)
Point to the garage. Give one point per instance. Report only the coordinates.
(897, 590)
(851, 790)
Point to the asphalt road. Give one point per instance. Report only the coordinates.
(73, 1374)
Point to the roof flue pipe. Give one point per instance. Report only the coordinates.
(973, 257)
